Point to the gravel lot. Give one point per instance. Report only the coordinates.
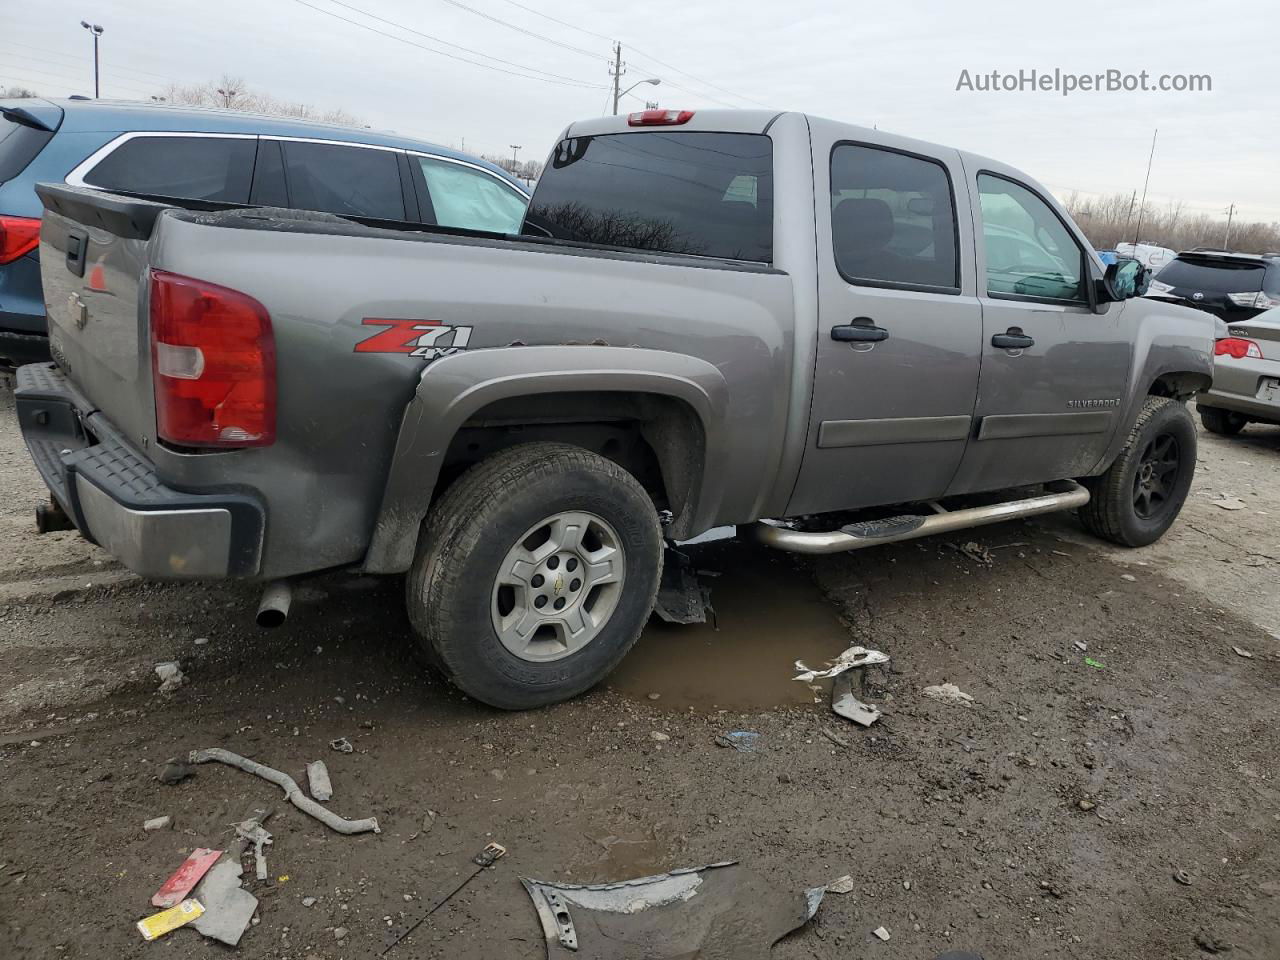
(1047, 819)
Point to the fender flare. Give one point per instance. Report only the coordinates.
(455, 387)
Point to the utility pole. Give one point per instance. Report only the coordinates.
(617, 71)
(514, 148)
(1231, 210)
(96, 30)
(1142, 209)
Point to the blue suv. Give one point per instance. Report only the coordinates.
(223, 157)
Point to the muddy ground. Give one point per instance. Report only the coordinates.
(1047, 819)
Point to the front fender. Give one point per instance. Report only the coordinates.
(1170, 342)
(455, 387)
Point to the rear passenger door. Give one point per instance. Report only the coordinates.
(899, 325)
(350, 180)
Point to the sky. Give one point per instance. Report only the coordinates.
(891, 64)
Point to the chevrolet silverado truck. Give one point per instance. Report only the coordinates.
(828, 335)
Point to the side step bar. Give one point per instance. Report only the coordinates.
(1061, 495)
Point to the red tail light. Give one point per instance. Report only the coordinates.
(213, 359)
(1237, 348)
(658, 118)
(18, 236)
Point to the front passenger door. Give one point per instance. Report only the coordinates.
(1053, 371)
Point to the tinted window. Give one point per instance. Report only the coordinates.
(348, 181)
(708, 194)
(19, 145)
(464, 197)
(1213, 277)
(892, 218)
(201, 168)
(1029, 251)
(268, 177)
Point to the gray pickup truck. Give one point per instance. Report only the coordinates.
(830, 335)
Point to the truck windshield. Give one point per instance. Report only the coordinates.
(705, 194)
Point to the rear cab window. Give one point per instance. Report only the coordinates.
(216, 168)
(701, 194)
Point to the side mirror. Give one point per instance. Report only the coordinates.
(1125, 279)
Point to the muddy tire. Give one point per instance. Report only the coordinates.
(1224, 422)
(535, 574)
(1142, 492)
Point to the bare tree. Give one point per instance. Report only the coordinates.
(230, 92)
(1107, 221)
(16, 93)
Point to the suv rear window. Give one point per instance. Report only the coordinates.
(1212, 275)
(19, 145)
(705, 194)
(196, 168)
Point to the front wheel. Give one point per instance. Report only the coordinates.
(1142, 492)
(1225, 422)
(535, 574)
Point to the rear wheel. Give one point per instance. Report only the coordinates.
(535, 574)
(1225, 422)
(1142, 492)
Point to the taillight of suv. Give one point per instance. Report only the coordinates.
(213, 360)
(1257, 299)
(18, 237)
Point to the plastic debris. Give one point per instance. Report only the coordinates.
(1089, 661)
(948, 693)
(293, 793)
(228, 908)
(175, 889)
(158, 924)
(157, 823)
(845, 704)
(841, 885)
(1242, 652)
(720, 910)
(978, 553)
(744, 741)
(1229, 503)
(853, 657)
(1182, 877)
(880, 933)
(342, 745)
(253, 832)
(318, 781)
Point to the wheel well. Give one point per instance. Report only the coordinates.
(1179, 386)
(658, 439)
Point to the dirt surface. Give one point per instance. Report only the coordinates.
(1046, 819)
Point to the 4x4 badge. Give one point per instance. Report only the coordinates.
(416, 338)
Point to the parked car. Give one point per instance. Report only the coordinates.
(1233, 286)
(686, 337)
(225, 157)
(1246, 377)
(1150, 255)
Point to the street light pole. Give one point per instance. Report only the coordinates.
(514, 148)
(96, 30)
(618, 96)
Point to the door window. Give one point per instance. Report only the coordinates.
(464, 197)
(348, 181)
(1029, 251)
(196, 168)
(893, 219)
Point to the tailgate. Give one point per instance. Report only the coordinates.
(93, 263)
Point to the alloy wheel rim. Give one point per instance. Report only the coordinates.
(1157, 475)
(558, 586)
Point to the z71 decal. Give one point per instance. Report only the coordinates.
(416, 338)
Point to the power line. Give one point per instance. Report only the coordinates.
(120, 80)
(635, 49)
(519, 29)
(448, 43)
(78, 59)
(78, 81)
(442, 53)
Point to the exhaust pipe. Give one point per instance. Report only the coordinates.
(1059, 495)
(274, 608)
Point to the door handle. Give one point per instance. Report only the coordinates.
(1012, 339)
(861, 330)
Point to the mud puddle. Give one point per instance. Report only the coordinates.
(769, 613)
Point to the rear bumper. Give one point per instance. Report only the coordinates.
(116, 500)
(1235, 387)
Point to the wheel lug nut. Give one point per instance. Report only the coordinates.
(571, 564)
(553, 563)
(540, 601)
(576, 584)
(559, 604)
(537, 581)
